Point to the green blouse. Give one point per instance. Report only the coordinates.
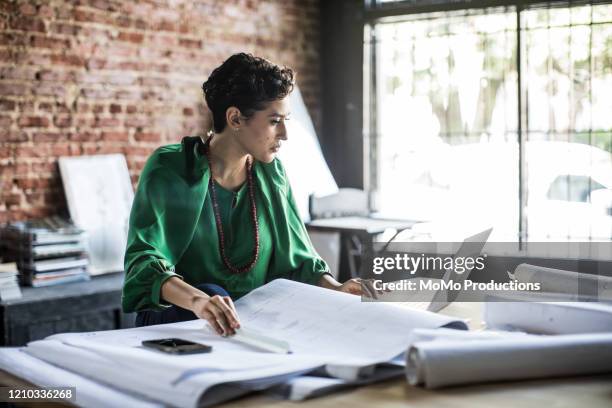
(172, 230)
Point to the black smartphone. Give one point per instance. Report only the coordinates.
(177, 346)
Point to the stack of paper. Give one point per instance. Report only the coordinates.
(329, 333)
(9, 287)
(48, 251)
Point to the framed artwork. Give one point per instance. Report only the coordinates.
(99, 194)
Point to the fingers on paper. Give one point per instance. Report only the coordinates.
(230, 304)
(368, 289)
(210, 318)
(222, 314)
(229, 314)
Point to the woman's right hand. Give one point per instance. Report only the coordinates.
(219, 312)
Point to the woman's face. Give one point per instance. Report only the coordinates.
(261, 134)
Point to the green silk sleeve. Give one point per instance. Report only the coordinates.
(162, 221)
(148, 257)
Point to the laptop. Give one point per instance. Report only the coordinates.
(471, 247)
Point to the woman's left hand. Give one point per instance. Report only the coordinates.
(360, 287)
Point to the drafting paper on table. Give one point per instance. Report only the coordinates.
(284, 310)
(446, 362)
(99, 194)
(89, 393)
(182, 381)
(310, 386)
(292, 311)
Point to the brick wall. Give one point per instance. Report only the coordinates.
(89, 77)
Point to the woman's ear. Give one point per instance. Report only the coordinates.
(232, 115)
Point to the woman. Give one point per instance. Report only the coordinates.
(214, 219)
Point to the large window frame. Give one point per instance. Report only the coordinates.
(377, 11)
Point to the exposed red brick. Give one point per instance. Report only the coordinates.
(107, 122)
(115, 136)
(49, 42)
(44, 137)
(13, 136)
(46, 12)
(29, 24)
(12, 199)
(33, 121)
(45, 106)
(84, 136)
(61, 149)
(27, 9)
(5, 121)
(64, 28)
(105, 76)
(188, 43)
(147, 137)
(7, 89)
(131, 37)
(62, 121)
(6, 105)
(71, 60)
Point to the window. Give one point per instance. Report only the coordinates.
(495, 117)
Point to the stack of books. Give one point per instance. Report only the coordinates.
(9, 287)
(48, 251)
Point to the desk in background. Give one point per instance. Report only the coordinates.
(357, 237)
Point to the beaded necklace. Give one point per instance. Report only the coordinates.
(213, 193)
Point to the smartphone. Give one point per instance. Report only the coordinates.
(177, 346)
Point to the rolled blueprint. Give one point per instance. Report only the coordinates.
(549, 317)
(442, 363)
(565, 282)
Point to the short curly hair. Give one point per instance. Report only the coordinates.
(247, 83)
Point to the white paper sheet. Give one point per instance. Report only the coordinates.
(324, 328)
(309, 386)
(444, 363)
(334, 325)
(179, 381)
(316, 323)
(549, 317)
(88, 393)
(421, 335)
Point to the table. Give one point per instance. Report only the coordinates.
(586, 391)
(357, 234)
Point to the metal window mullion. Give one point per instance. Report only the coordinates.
(522, 173)
(373, 159)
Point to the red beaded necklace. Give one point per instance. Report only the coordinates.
(213, 193)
